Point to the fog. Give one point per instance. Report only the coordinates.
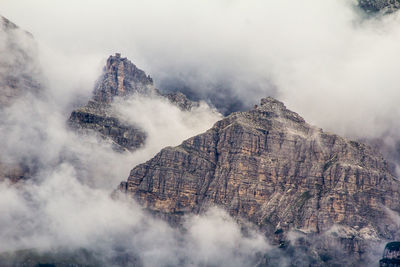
(67, 204)
(233, 51)
(325, 59)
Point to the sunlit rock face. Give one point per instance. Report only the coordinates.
(270, 167)
(384, 6)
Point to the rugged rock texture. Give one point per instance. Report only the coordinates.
(270, 167)
(383, 6)
(180, 100)
(95, 116)
(120, 78)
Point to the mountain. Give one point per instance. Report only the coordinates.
(20, 75)
(120, 78)
(268, 166)
(18, 67)
(383, 6)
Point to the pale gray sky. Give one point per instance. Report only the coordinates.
(327, 63)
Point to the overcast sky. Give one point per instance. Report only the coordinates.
(324, 59)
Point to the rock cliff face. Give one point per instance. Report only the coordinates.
(384, 6)
(270, 167)
(120, 78)
(96, 117)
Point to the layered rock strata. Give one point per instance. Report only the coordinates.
(270, 167)
(120, 78)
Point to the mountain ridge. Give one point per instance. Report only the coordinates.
(270, 167)
(120, 79)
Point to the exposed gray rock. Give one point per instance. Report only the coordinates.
(382, 6)
(120, 78)
(94, 117)
(180, 100)
(270, 167)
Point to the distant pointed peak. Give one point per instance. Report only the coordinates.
(121, 78)
(271, 105)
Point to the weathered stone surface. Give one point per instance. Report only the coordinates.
(270, 167)
(383, 6)
(120, 78)
(94, 116)
(180, 100)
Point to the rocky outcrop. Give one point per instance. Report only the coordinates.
(270, 167)
(120, 78)
(383, 6)
(180, 100)
(95, 117)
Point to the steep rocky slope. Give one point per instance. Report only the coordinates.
(270, 167)
(120, 78)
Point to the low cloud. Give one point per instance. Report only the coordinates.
(325, 59)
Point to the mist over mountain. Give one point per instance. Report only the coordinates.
(132, 133)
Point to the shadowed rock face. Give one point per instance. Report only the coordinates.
(270, 167)
(120, 78)
(384, 6)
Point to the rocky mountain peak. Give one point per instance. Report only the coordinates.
(272, 103)
(276, 108)
(121, 78)
(270, 167)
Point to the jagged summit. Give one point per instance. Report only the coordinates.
(121, 78)
(276, 107)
